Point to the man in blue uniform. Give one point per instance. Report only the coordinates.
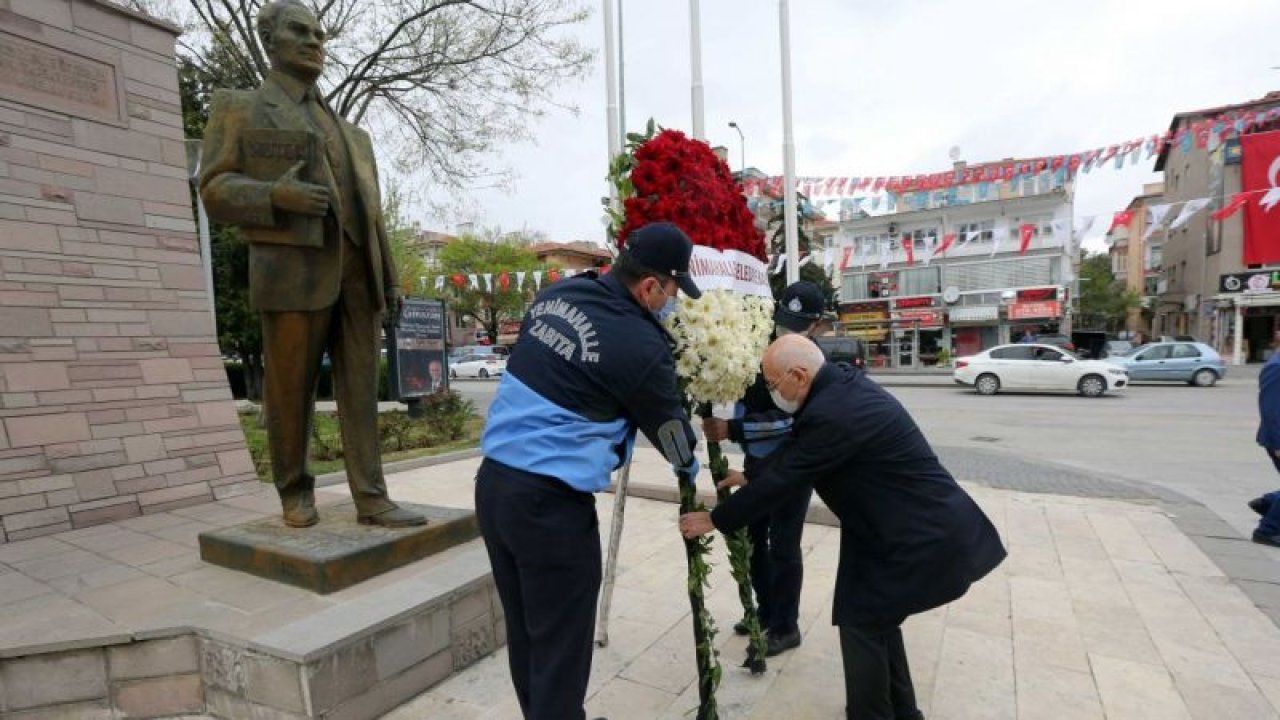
(777, 567)
(1268, 530)
(592, 364)
(910, 538)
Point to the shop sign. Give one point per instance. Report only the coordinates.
(1254, 282)
(1037, 294)
(1035, 310)
(982, 313)
(913, 302)
(864, 317)
(864, 307)
(926, 318)
(868, 334)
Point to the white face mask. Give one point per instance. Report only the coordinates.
(787, 406)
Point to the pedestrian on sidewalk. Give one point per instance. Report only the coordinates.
(1268, 506)
(760, 426)
(592, 364)
(911, 539)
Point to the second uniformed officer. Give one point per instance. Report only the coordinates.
(592, 364)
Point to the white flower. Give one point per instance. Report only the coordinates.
(720, 339)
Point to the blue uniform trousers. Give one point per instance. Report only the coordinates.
(777, 567)
(543, 540)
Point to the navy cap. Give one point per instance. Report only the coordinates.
(664, 248)
(800, 306)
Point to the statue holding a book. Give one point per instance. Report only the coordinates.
(303, 185)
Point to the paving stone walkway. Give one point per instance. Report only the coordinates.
(1105, 608)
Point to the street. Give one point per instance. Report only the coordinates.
(1193, 441)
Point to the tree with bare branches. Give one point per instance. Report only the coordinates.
(442, 83)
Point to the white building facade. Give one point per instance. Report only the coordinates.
(918, 300)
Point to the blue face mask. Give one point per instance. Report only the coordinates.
(667, 310)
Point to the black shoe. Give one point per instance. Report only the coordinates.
(1259, 505)
(740, 628)
(1263, 539)
(779, 643)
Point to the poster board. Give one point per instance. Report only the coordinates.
(419, 365)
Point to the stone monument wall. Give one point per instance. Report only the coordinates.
(113, 400)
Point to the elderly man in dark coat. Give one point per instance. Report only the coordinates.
(911, 539)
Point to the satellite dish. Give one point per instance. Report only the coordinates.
(954, 153)
(951, 295)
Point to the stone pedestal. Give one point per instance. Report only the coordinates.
(338, 552)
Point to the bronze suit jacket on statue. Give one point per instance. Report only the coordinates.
(286, 277)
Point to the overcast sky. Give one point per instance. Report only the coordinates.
(888, 88)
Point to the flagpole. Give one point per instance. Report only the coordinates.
(695, 61)
(611, 87)
(788, 149)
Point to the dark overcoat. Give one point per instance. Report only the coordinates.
(911, 539)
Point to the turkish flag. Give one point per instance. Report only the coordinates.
(504, 281)
(1121, 219)
(1237, 201)
(1260, 176)
(945, 245)
(1025, 232)
(553, 275)
(908, 243)
(844, 258)
(459, 280)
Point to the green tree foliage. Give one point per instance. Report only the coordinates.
(400, 238)
(1104, 302)
(494, 253)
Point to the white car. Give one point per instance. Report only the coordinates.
(481, 366)
(1032, 366)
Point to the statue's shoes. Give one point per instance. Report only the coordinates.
(301, 517)
(393, 518)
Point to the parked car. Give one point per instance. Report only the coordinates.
(1037, 366)
(481, 366)
(1117, 348)
(1057, 340)
(462, 351)
(1189, 362)
(843, 349)
(1178, 338)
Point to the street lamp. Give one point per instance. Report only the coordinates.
(743, 145)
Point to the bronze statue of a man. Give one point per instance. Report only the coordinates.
(320, 271)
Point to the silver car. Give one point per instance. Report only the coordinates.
(1189, 362)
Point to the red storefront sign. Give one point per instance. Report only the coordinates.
(1035, 310)
(926, 318)
(1037, 294)
(913, 302)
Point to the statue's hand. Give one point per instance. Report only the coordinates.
(395, 306)
(296, 196)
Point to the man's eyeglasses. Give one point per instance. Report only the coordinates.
(774, 385)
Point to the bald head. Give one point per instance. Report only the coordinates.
(790, 365)
(793, 351)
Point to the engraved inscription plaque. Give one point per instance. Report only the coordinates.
(45, 76)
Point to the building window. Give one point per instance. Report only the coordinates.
(984, 229)
(919, 281)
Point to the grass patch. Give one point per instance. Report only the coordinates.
(449, 424)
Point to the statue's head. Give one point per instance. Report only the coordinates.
(292, 36)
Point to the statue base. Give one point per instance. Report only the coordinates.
(337, 552)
